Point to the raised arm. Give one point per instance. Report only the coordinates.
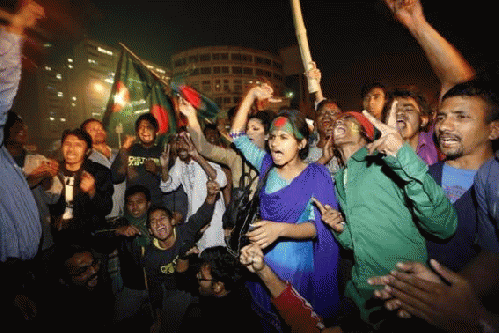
(447, 62)
(434, 211)
(294, 309)
(10, 52)
(261, 92)
(212, 152)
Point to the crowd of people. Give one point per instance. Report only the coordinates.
(375, 221)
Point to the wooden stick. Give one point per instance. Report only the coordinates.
(301, 35)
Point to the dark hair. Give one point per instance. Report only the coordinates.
(265, 117)
(366, 88)
(12, 119)
(485, 90)
(408, 92)
(154, 208)
(137, 189)
(88, 121)
(300, 124)
(148, 117)
(61, 254)
(224, 267)
(80, 134)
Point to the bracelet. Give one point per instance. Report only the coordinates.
(235, 135)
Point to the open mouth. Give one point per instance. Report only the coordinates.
(448, 140)
(339, 131)
(276, 154)
(183, 153)
(400, 123)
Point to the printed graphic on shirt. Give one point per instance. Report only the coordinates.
(454, 192)
(170, 268)
(139, 160)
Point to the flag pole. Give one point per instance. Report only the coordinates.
(137, 58)
(301, 35)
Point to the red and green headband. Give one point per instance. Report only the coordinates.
(283, 124)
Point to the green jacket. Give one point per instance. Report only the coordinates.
(386, 200)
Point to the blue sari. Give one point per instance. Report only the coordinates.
(310, 265)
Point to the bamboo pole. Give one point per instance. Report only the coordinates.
(301, 35)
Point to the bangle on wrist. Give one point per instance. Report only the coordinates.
(235, 135)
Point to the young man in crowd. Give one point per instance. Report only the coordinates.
(132, 301)
(76, 292)
(414, 119)
(86, 194)
(374, 97)
(103, 154)
(164, 256)
(138, 163)
(391, 188)
(192, 171)
(223, 295)
(467, 122)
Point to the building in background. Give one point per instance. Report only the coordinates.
(76, 89)
(223, 73)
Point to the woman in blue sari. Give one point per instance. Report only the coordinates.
(297, 245)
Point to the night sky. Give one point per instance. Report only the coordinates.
(352, 42)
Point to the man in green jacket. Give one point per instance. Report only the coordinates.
(387, 198)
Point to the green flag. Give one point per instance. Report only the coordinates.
(136, 91)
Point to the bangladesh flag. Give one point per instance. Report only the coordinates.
(136, 91)
(206, 108)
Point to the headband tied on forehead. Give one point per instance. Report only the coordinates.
(283, 124)
(371, 132)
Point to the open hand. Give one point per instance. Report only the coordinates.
(418, 291)
(186, 108)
